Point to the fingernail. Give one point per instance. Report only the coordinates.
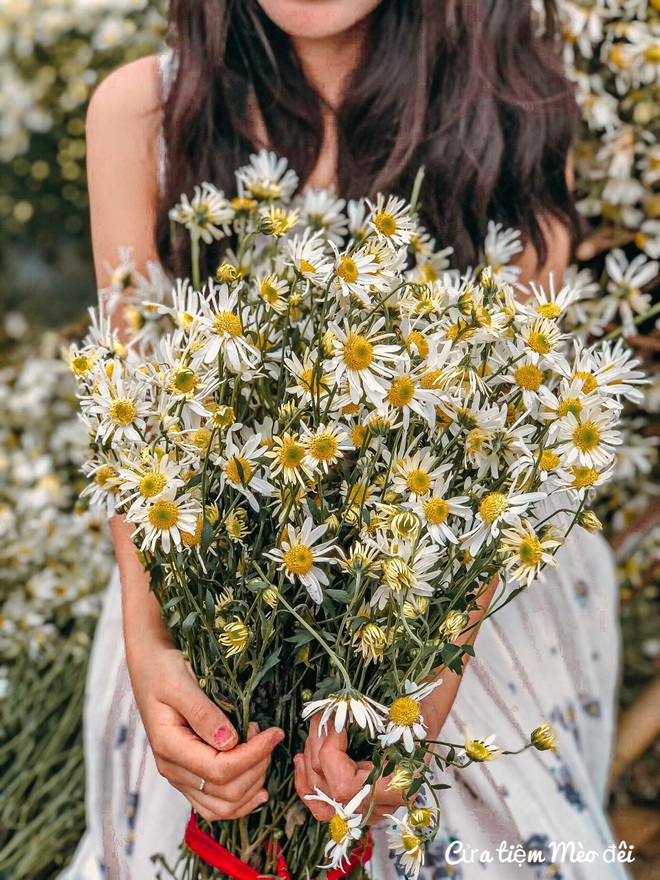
(277, 739)
(261, 798)
(223, 735)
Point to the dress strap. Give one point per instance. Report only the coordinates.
(166, 67)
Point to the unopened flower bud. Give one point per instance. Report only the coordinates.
(589, 521)
(543, 738)
(226, 273)
(402, 779)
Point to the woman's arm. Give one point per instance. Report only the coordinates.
(190, 736)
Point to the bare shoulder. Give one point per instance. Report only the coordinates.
(123, 117)
(123, 123)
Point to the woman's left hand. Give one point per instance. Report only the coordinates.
(324, 764)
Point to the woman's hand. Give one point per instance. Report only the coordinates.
(192, 739)
(324, 764)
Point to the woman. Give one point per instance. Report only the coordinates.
(358, 93)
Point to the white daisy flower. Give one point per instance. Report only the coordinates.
(414, 391)
(391, 220)
(588, 440)
(543, 342)
(526, 552)
(357, 219)
(121, 408)
(436, 508)
(311, 383)
(479, 749)
(352, 707)
(148, 477)
(240, 466)
(308, 257)
(297, 556)
(322, 210)
(500, 246)
(407, 570)
(290, 460)
(551, 303)
(273, 291)
(406, 722)
(325, 445)
(208, 215)
(362, 359)
(609, 368)
(356, 274)
(164, 519)
(223, 323)
(495, 510)
(267, 177)
(405, 841)
(415, 475)
(344, 826)
(625, 287)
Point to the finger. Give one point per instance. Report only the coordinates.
(322, 812)
(344, 776)
(253, 730)
(180, 744)
(313, 770)
(207, 720)
(217, 810)
(313, 745)
(234, 792)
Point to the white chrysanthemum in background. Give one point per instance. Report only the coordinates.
(208, 215)
(267, 178)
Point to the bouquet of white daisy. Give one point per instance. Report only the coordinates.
(329, 454)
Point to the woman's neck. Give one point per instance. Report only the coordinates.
(328, 62)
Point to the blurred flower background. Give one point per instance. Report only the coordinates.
(55, 556)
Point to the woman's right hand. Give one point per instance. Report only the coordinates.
(192, 739)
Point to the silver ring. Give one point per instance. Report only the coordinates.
(202, 784)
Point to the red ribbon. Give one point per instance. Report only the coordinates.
(218, 856)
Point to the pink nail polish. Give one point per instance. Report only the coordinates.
(223, 735)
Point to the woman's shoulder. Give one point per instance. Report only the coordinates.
(125, 108)
(123, 122)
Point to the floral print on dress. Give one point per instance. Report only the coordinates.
(544, 867)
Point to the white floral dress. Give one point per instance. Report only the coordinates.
(553, 654)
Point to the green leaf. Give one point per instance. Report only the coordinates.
(174, 619)
(210, 607)
(172, 602)
(207, 535)
(270, 663)
(339, 595)
(186, 626)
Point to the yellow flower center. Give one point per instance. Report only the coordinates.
(477, 751)
(104, 475)
(122, 411)
(184, 380)
(431, 380)
(80, 364)
(402, 391)
(338, 828)
(528, 377)
(358, 352)
(223, 416)
(405, 711)
(163, 514)
(549, 460)
(238, 470)
(569, 405)
(436, 511)
(269, 293)
(191, 539)
(586, 436)
(324, 447)
(307, 268)
(539, 342)
(358, 434)
(589, 383)
(152, 483)
(299, 559)
(348, 270)
(492, 506)
(226, 322)
(548, 310)
(530, 551)
(291, 453)
(410, 842)
(421, 817)
(419, 341)
(385, 224)
(200, 438)
(584, 476)
(418, 482)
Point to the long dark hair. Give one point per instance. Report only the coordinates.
(464, 87)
